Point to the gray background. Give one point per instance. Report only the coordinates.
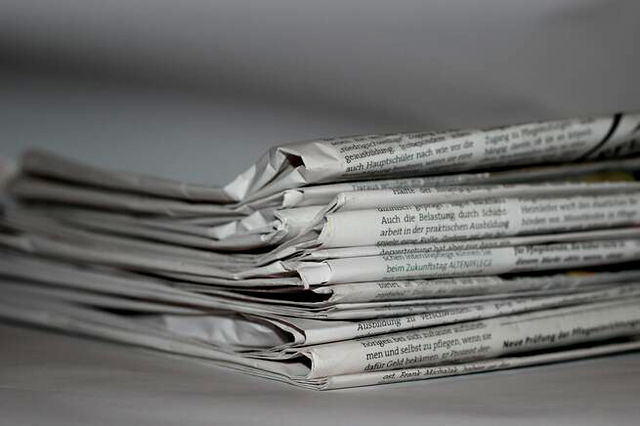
(197, 89)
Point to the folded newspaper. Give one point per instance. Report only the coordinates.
(348, 261)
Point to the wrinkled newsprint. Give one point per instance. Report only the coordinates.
(348, 261)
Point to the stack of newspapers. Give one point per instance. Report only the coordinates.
(347, 261)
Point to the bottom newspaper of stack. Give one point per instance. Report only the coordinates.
(348, 334)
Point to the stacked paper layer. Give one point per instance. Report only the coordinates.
(349, 261)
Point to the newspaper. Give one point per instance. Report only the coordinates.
(430, 153)
(476, 339)
(268, 229)
(271, 227)
(46, 164)
(25, 187)
(78, 246)
(490, 261)
(487, 218)
(286, 231)
(35, 188)
(347, 261)
(373, 157)
(270, 221)
(328, 302)
(445, 350)
(350, 297)
(390, 250)
(267, 331)
(601, 170)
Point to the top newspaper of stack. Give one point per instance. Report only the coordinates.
(370, 157)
